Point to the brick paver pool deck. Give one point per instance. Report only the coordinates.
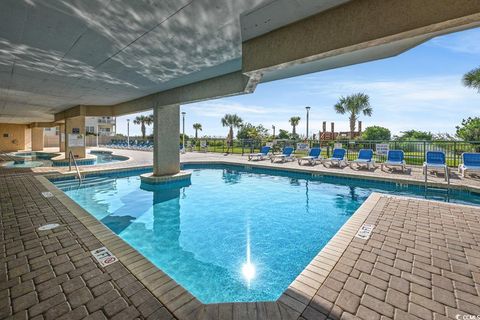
(422, 261)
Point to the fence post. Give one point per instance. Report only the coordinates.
(424, 151)
(454, 153)
(243, 146)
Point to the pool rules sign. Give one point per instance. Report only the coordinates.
(104, 256)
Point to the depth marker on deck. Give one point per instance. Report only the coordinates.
(365, 231)
(47, 194)
(104, 256)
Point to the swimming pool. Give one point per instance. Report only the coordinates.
(44, 159)
(233, 234)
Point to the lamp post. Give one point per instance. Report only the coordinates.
(273, 127)
(183, 130)
(98, 132)
(128, 132)
(308, 113)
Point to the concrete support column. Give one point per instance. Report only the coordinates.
(37, 139)
(166, 131)
(61, 137)
(75, 137)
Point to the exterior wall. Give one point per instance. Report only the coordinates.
(16, 139)
(51, 132)
(50, 141)
(105, 125)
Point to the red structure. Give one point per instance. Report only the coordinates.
(332, 135)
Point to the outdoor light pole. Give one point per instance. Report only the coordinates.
(308, 111)
(183, 130)
(128, 132)
(98, 132)
(273, 127)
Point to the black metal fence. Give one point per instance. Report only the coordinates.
(415, 151)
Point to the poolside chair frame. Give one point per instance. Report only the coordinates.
(312, 160)
(360, 162)
(436, 167)
(335, 162)
(393, 166)
(465, 169)
(283, 156)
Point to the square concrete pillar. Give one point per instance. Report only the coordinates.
(37, 139)
(75, 137)
(166, 137)
(61, 137)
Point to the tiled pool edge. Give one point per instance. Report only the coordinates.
(302, 290)
(184, 305)
(177, 300)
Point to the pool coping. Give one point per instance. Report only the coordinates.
(179, 301)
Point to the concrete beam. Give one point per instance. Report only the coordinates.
(356, 25)
(85, 111)
(222, 86)
(226, 85)
(42, 125)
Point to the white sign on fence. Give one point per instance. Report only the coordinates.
(382, 148)
(302, 146)
(104, 256)
(337, 146)
(76, 140)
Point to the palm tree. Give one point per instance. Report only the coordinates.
(294, 123)
(232, 121)
(472, 79)
(197, 126)
(143, 121)
(353, 105)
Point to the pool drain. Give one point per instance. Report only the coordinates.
(49, 226)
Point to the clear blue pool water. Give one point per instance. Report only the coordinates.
(232, 235)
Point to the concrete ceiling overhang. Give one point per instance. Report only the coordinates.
(117, 57)
(55, 55)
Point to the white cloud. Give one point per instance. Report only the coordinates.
(218, 109)
(463, 42)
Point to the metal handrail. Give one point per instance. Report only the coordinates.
(6, 155)
(70, 158)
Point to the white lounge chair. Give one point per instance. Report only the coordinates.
(262, 155)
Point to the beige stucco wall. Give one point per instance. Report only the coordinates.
(37, 139)
(16, 137)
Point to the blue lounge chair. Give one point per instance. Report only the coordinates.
(313, 156)
(262, 155)
(395, 158)
(470, 162)
(365, 158)
(435, 162)
(337, 159)
(285, 156)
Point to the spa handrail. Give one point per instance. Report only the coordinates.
(70, 158)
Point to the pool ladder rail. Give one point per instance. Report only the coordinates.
(447, 179)
(5, 155)
(70, 158)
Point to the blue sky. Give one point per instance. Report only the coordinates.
(419, 89)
